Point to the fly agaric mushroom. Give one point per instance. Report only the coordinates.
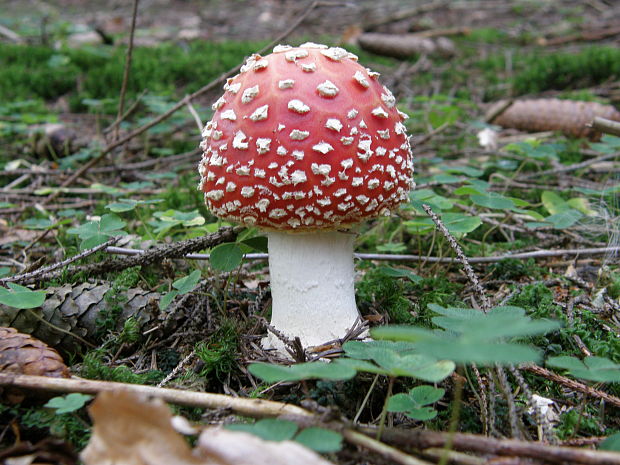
(305, 143)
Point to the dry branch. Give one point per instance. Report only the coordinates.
(259, 408)
(156, 255)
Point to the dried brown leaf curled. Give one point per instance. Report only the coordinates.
(131, 430)
(238, 448)
(571, 117)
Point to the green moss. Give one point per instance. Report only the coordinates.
(538, 300)
(31, 72)
(219, 353)
(405, 301)
(385, 294)
(107, 319)
(93, 367)
(591, 66)
(512, 268)
(41, 422)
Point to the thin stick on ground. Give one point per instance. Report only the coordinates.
(412, 258)
(121, 99)
(156, 255)
(48, 269)
(261, 408)
(606, 125)
(572, 384)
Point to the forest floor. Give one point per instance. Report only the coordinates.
(98, 214)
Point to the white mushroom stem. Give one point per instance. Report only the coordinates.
(312, 286)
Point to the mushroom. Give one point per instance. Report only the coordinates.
(305, 143)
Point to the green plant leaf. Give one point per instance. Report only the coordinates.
(258, 243)
(553, 202)
(69, 403)
(565, 218)
(187, 283)
(97, 232)
(471, 336)
(269, 429)
(494, 201)
(415, 403)
(320, 440)
(425, 395)
(459, 223)
(167, 298)
(125, 205)
(226, 257)
(598, 369)
(399, 273)
(419, 225)
(312, 370)
(395, 359)
(21, 297)
(611, 443)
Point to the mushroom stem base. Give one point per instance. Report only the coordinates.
(312, 286)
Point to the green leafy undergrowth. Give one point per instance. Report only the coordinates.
(557, 71)
(471, 336)
(69, 403)
(107, 319)
(538, 300)
(17, 296)
(513, 269)
(43, 422)
(416, 403)
(30, 71)
(318, 439)
(598, 369)
(403, 294)
(181, 286)
(93, 366)
(98, 231)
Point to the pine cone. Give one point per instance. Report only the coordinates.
(23, 354)
(404, 45)
(569, 116)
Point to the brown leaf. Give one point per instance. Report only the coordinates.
(237, 448)
(130, 430)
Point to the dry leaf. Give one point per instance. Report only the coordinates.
(130, 430)
(237, 448)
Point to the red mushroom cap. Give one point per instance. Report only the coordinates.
(305, 138)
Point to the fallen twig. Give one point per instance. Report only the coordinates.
(175, 250)
(574, 166)
(486, 304)
(48, 269)
(260, 408)
(606, 125)
(409, 257)
(571, 384)
(121, 98)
